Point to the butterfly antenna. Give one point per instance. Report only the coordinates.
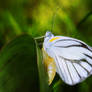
(53, 19)
(36, 38)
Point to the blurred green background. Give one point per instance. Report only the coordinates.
(34, 17)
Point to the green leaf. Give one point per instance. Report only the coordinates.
(44, 87)
(18, 66)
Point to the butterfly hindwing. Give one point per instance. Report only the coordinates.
(72, 72)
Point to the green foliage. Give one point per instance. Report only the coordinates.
(20, 71)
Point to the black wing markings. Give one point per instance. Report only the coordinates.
(81, 44)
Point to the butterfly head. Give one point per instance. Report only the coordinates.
(48, 35)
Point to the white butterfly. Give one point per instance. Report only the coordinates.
(73, 58)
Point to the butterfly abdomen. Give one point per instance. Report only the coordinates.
(49, 66)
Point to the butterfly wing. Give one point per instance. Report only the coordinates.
(73, 59)
(72, 72)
